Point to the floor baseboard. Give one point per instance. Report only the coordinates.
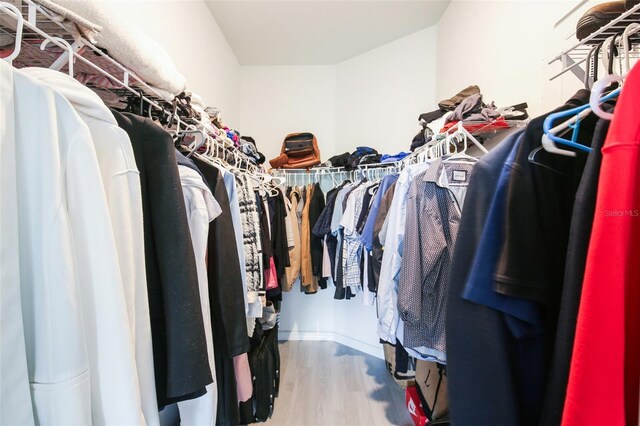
(367, 348)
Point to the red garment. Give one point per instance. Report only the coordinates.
(604, 379)
(271, 275)
(479, 126)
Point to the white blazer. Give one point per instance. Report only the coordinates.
(15, 397)
(121, 180)
(48, 135)
(79, 353)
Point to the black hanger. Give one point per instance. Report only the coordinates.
(595, 60)
(613, 52)
(589, 67)
(141, 106)
(164, 117)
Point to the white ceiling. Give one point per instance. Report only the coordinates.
(312, 32)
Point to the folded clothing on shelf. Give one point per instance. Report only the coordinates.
(392, 158)
(77, 25)
(126, 44)
(479, 126)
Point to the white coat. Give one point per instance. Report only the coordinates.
(121, 180)
(15, 397)
(55, 335)
(79, 353)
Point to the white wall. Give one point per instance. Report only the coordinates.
(373, 99)
(277, 100)
(504, 47)
(320, 317)
(381, 93)
(189, 33)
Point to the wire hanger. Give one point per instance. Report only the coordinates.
(461, 155)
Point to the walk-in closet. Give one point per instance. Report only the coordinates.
(319, 212)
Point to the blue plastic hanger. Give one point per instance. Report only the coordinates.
(578, 114)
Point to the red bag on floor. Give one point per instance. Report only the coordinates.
(415, 407)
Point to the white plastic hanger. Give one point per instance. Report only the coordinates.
(550, 146)
(461, 155)
(197, 144)
(9, 8)
(603, 83)
(626, 48)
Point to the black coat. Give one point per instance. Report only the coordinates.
(179, 345)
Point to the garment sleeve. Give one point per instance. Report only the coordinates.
(115, 389)
(387, 291)
(411, 272)
(346, 221)
(519, 274)
(225, 282)
(125, 205)
(279, 238)
(422, 249)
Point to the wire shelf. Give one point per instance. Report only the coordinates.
(92, 66)
(39, 27)
(576, 55)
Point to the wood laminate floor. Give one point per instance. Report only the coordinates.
(325, 383)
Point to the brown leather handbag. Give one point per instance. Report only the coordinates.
(299, 151)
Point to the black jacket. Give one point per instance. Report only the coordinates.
(179, 346)
(228, 317)
(315, 209)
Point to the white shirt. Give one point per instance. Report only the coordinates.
(202, 208)
(121, 180)
(392, 257)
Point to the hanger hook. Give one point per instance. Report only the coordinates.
(7, 7)
(626, 45)
(67, 46)
(596, 92)
(588, 83)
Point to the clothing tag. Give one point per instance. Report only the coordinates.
(460, 175)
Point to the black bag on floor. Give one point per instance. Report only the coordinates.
(264, 361)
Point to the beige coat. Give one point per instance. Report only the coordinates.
(292, 272)
(306, 268)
